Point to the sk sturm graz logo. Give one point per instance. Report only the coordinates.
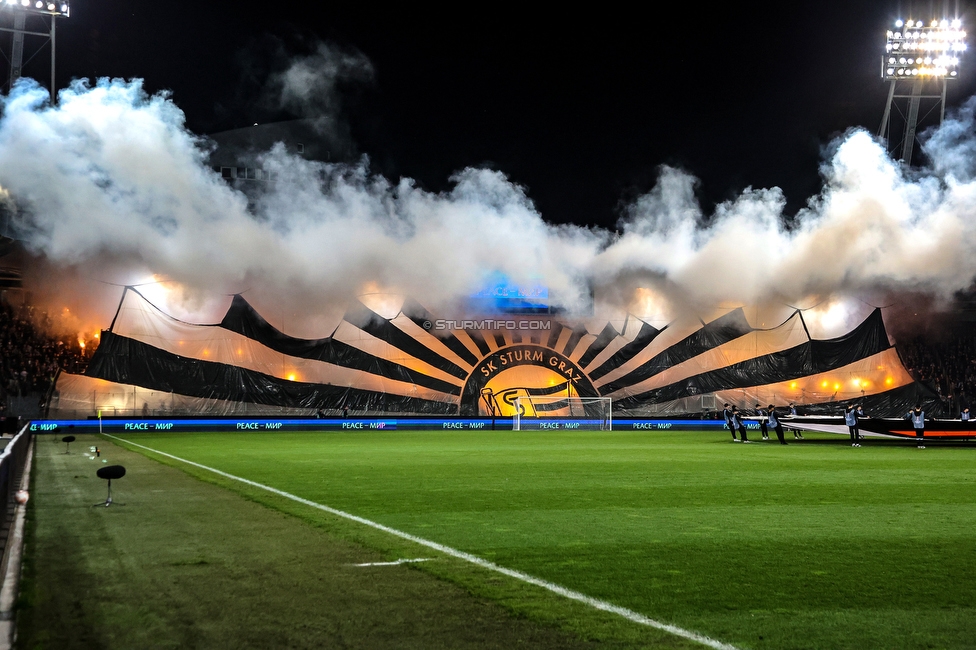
(507, 400)
(527, 371)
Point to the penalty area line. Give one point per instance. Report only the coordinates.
(577, 596)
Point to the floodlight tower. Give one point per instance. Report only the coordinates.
(919, 60)
(20, 11)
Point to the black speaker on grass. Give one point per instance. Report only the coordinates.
(67, 440)
(110, 472)
(54, 432)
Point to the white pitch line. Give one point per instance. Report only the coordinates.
(595, 603)
(396, 562)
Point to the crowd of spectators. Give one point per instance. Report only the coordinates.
(945, 362)
(30, 358)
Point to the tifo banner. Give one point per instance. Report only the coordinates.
(149, 363)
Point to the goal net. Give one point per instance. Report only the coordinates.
(560, 412)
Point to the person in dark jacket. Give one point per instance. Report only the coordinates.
(739, 424)
(776, 424)
(727, 413)
(762, 422)
(796, 432)
(850, 419)
(917, 418)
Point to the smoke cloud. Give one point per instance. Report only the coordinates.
(876, 229)
(110, 186)
(308, 85)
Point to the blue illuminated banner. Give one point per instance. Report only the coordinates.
(500, 294)
(362, 424)
(224, 424)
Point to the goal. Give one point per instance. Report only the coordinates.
(533, 413)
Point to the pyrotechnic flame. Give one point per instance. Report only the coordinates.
(383, 301)
(834, 316)
(651, 306)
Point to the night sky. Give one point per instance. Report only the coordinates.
(580, 107)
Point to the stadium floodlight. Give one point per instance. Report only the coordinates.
(918, 55)
(932, 52)
(46, 7)
(20, 10)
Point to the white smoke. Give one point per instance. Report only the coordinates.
(875, 228)
(110, 184)
(112, 178)
(308, 85)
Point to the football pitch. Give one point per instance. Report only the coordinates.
(811, 545)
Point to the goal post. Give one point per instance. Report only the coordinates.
(536, 412)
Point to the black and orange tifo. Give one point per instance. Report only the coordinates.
(151, 362)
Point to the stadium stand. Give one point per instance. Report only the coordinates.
(944, 361)
(30, 359)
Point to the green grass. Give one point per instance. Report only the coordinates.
(814, 545)
(187, 564)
